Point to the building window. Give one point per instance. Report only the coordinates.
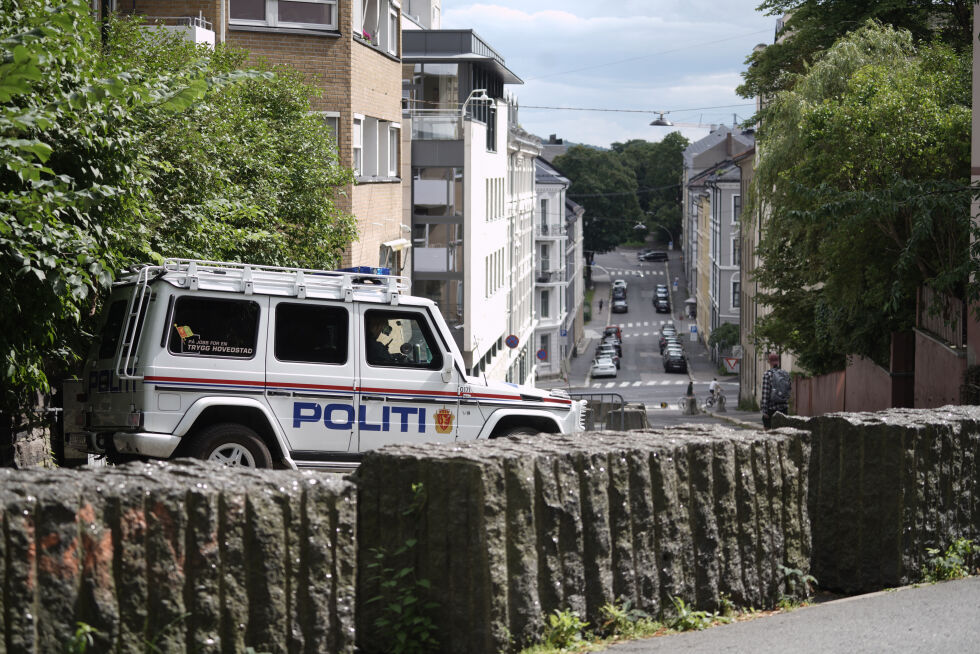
(332, 120)
(377, 21)
(545, 346)
(438, 247)
(736, 208)
(308, 14)
(357, 142)
(394, 29)
(736, 292)
(736, 252)
(545, 304)
(437, 191)
(394, 136)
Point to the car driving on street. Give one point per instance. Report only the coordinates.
(603, 367)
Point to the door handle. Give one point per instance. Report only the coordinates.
(279, 393)
(374, 398)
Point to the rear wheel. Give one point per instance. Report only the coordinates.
(231, 444)
(519, 431)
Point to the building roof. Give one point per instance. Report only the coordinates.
(545, 173)
(723, 171)
(573, 210)
(453, 46)
(741, 139)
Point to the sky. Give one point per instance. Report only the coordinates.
(684, 57)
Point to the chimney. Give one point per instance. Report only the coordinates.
(728, 144)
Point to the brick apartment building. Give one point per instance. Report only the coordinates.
(352, 50)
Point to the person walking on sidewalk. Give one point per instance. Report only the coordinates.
(600, 304)
(775, 391)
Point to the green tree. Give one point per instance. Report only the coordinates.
(658, 168)
(607, 190)
(865, 181)
(121, 152)
(815, 25)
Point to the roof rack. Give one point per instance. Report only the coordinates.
(194, 274)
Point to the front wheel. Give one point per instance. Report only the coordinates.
(233, 445)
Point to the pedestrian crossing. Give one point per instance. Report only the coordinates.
(634, 384)
(613, 274)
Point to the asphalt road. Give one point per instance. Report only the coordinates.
(929, 619)
(641, 377)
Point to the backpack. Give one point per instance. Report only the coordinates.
(781, 387)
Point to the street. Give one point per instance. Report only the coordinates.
(641, 377)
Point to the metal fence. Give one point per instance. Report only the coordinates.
(605, 411)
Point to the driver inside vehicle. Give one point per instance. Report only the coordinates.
(377, 353)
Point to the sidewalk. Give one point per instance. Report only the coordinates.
(930, 618)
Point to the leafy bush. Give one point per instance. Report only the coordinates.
(954, 563)
(564, 629)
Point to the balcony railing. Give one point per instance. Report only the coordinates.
(436, 125)
(553, 230)
(549, 276)
(195, 29)
(943, 316)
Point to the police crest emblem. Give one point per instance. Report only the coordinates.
(444, 421)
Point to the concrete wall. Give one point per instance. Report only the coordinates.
(868, 386)
(186, 556)
(510, 530)
(939, 372)
(884, 487)
(817, 395)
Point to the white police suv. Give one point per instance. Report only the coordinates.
(265, 366)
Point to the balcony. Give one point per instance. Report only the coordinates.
(549, 230)
(436, 125)
(192, 28)
(545, 276)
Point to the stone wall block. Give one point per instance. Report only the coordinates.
(166, 533)
(570, 535)
(748, 532)
(3, 579)
(203, 570)
(593, 473)
(725, 475)
(129, 525)
(98, 605)
(769, 575)
(523, 603)
(644, 531)
(266, 570)
(233, 512)
(343, 570)
(493, 541)
(930, 460)
(621, 526)
(547, 513)
(704, 523)
(675, 543)
(58, 560)
(21, 569)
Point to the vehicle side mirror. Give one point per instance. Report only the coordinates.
(447, 372)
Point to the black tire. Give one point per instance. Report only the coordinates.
(232, 444)
(519, 431)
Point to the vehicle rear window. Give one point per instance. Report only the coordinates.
(211, 327)
(308, 333)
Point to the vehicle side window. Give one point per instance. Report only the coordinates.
(309, 333)
(110, 329)
(210, 327)
(399, 339)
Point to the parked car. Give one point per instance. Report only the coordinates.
(620, 306)
(661, 292)
(615, 330)
(674, 362)
(603, 367)
(619, 283)
(614, 343)
(619, 292)
(662, 305)
(607, 351)
(653, 255)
